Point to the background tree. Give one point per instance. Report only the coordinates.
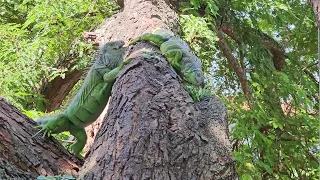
(260, 59)
(316, 6)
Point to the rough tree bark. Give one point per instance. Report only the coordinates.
(153, 129)
(137, 17)
(24, 157)
(316, 8)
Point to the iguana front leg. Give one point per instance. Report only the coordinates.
(110, 76)
(194, 77)
(190, 75)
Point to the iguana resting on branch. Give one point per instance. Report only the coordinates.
(178, 54)
(91, 99)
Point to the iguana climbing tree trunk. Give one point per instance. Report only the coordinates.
(153, 129)
(156, 131)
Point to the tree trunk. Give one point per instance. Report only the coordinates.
(316, 8)
(57, 90)
(24, 157)
(137, 17)
(152, 130)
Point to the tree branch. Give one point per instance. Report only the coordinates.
(25, 157)
(316, 9)
(277, 51)
(234, 63)
(56, 90)
(311, 76)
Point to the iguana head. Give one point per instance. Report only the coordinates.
(109, 53)
(114, 45)
(195, 77)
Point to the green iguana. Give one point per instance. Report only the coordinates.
(178, 54)
(91, 99)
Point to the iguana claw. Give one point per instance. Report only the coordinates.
(47, 132)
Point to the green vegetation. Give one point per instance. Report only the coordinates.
(36, 36)
(263, 68)
(274, 130)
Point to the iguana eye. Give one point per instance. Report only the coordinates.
(112, 46)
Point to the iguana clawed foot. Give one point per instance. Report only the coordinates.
(111, 75)
(53, 125)
(47, 132)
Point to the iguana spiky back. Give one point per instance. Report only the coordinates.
(93, 96)
(178, 54)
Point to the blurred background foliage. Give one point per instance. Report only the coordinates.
(35, 36)
(274, 124)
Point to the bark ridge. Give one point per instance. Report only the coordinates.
(24, 157)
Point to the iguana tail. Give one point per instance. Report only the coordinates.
(154, 38)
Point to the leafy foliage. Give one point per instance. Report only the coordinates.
(276, 136)
(273, 137)
(197, 31)
(36, 35)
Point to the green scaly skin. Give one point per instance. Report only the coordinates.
(91, 99)
(178, 54)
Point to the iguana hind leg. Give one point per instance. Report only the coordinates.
(174, 58)
(53, 125)
(81, 136)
